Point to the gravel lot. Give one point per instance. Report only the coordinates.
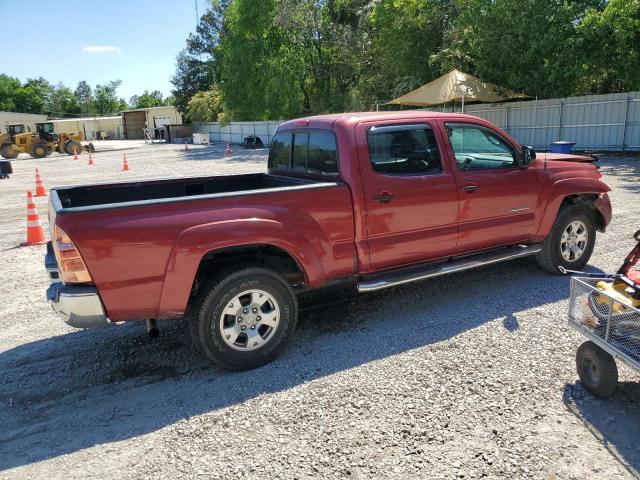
(467, 376)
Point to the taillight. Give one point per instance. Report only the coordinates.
(72, 267)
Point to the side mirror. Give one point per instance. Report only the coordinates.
(527, 156)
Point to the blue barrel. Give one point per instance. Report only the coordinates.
(562, 147)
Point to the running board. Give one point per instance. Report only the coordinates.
(420, 272)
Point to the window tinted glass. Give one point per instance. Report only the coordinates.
(280, 151)
(300, 145)
(478, 148)
(398, 151)
(323, 155)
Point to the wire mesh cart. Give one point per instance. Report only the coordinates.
(610, 319)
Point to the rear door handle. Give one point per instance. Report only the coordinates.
(384, 197)
(470, 187)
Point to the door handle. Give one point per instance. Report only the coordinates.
(384, 197)
(470, 187)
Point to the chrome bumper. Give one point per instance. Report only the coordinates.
(78, 305)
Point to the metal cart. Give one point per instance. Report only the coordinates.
(613, 329)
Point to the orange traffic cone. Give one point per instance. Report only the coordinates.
(228, 150)
(40, 190)
(75, 152)
(90, 159)
(35, 234)
(186, 147)
(125, 164)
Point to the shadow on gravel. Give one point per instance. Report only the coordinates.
(217, 152)
(68, 393)
(626, 170)
(612, 422)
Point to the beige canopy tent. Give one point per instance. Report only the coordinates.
(456, 86)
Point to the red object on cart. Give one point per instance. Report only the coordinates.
(632, 259)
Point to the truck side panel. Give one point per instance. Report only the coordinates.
(140, 255)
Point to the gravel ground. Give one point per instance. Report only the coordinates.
(467, 376)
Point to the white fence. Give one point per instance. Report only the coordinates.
(236, 132)
(595, 122)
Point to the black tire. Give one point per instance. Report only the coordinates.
(69, 147)
(9, 151)
(597, 370)
(38, 150)
(219, 293)
(550, 257)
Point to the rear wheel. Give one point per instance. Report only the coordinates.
(571, 241)
(9, 151)
(39, 150)
(244, 318)
(597, 370)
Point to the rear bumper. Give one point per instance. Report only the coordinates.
(78, 305)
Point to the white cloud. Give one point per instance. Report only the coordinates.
(101, 49)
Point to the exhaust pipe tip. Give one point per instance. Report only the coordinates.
(152, 328)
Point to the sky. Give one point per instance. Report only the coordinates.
(66, 41)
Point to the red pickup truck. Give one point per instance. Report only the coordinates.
(379, 199)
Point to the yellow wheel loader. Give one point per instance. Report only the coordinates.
(69, 143)
(8, 149)
(19, 139)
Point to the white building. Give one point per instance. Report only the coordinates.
(93, 128)
(136, 120)
(15, 118)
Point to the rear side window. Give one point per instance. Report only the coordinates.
(280, 152)
(403, 150)
(323, 153)
(306, 151)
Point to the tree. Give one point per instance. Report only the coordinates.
(147, 100)
(8, 87)
(264, 68)
(197, 66)
(615, 65)
(498, 37)
(84, 96)
(105, 100)
(62, 102)
(407, 33)
(205, 106)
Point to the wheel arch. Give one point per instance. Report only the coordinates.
(250, 241)
(586, 192)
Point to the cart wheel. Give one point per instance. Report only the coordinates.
(597, 370)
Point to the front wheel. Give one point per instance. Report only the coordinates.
(597, 370)
(571, 241)
(244, 318)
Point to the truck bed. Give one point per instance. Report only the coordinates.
(105, 196)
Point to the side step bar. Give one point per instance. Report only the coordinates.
(423, 271)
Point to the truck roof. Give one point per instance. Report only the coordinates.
(352, 118)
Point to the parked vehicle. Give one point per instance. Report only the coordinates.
(380, 199)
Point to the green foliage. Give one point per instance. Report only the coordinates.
(106, 101)
(265, 67)
(62, 102)
(615, 64)
(84, 96)
(275, 59)
(148, 100)
(205, 106)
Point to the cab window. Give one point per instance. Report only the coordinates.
(403, 150)
(478, 148)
